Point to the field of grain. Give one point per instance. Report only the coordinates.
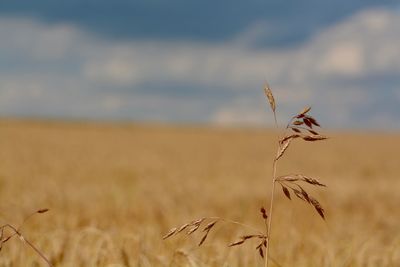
(113, 190)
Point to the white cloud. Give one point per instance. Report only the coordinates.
(63, 62)
(343, 59)
(241, 111)
(186, 62)
(367, 42)
(30, 39)
(364, 44)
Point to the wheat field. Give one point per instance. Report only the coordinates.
(114, 189)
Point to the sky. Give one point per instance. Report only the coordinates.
(203, 61)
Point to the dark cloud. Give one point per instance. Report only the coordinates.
(289, 22)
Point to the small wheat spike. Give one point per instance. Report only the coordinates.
(271, 100)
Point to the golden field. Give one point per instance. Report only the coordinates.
(114, 189)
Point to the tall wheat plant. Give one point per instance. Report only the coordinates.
(301, 126)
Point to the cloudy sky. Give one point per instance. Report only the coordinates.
(201, 61)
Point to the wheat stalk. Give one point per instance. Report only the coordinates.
(301, 126)
(16, 231)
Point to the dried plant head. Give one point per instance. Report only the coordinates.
(271, 100)
(16, 231)
(270, 97)
(302, 126)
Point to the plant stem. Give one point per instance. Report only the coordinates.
(38, 252)
(22, 238)
(268, 227)
(236, 223)
(270, 212)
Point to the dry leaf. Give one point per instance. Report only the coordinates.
(170, 233)
(42, 210)
(288, 178)
(318, 207)
(197, 222)
(209, 226)
(299, 194)
(305, 195)
(283, 147)
(203, 239)
(193, 229)
(307, 122)
(264, 213)
(292, 136)
(183, 227)
(295, 130)
(312, 181)
(245, 237)
(312, 138)
(297, 122)
(260, 250)
(303, 112)
(313, 121)
(286, 192)
(236, 243)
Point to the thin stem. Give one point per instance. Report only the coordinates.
(290, 122)
(276, 122)
(12, 228)
(236, 223)
(270, 212)
(38, 252)
(268, 227)
(26, 219)
(22, 238)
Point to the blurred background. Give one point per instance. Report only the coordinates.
(201, 61)
(161, 70)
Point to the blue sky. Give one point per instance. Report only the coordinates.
(201, 61)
